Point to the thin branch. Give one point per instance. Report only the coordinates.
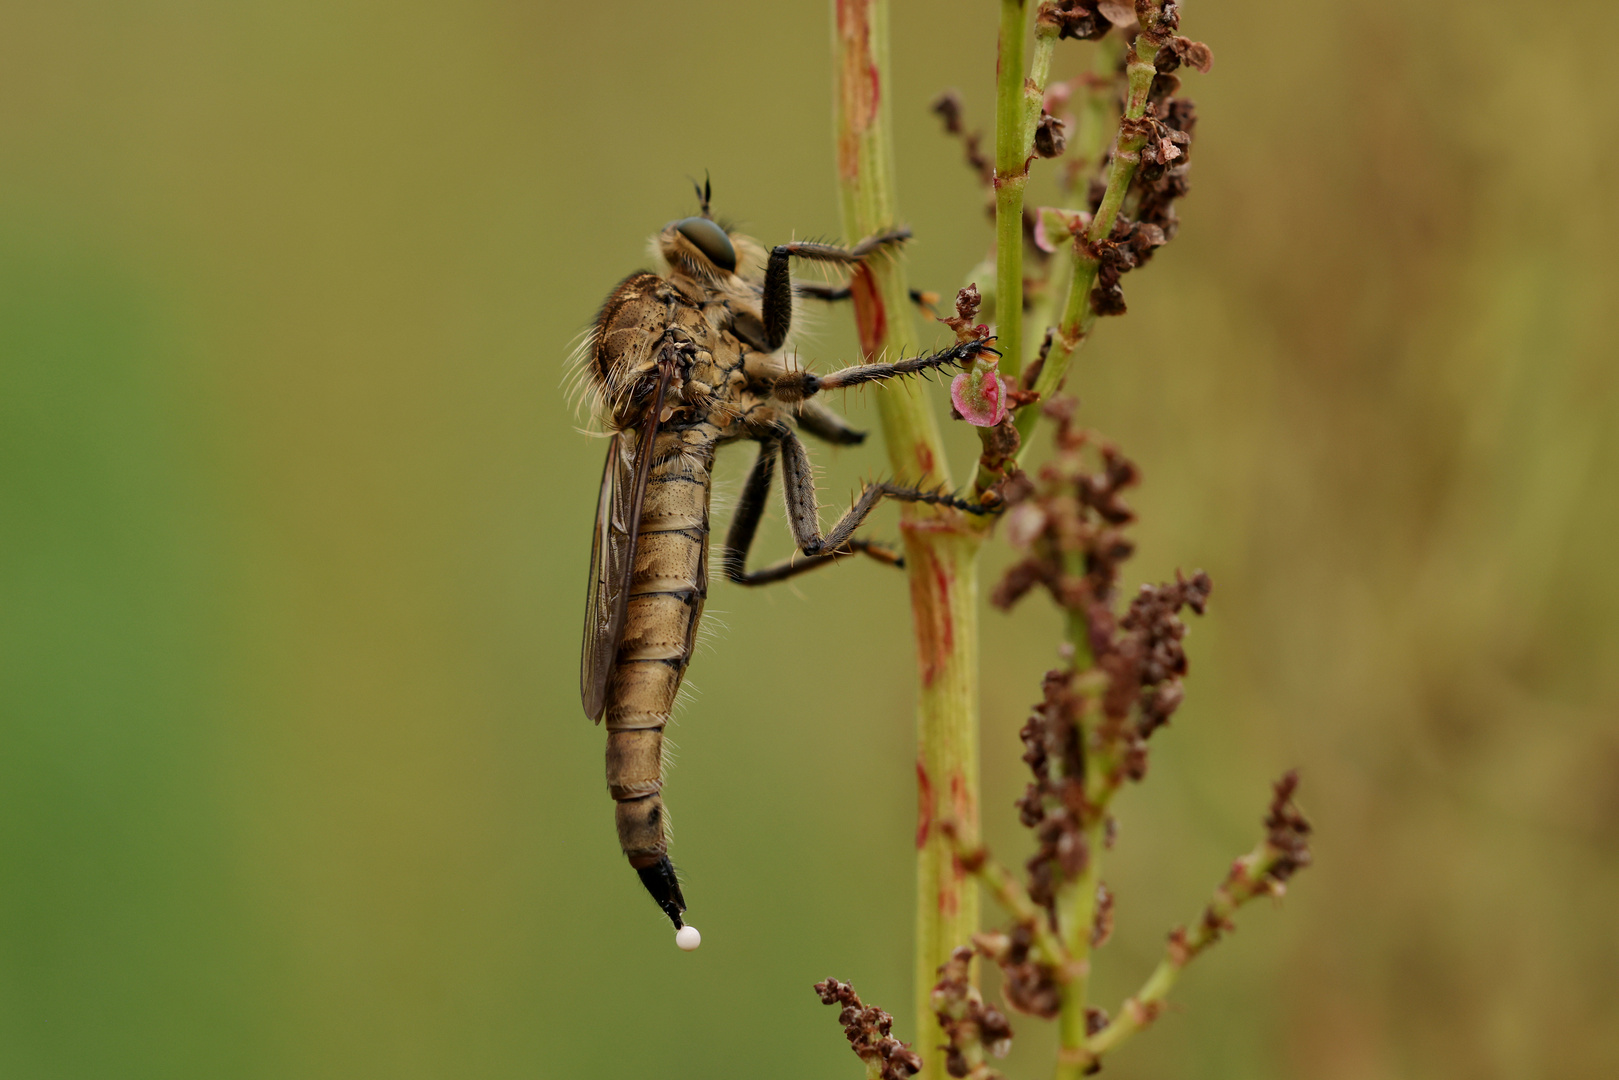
(1264, 871)
(1093, 128)
(1011, 895)
(1079, 315)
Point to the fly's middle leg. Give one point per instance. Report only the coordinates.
(803, 511)
(745, 525)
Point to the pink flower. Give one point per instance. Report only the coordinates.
(979, 396)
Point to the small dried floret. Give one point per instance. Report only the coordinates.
(1180, 50)
(1080, 19)
(1287, 830)
(1050, 137)
(970, 1025)
(1102, 925)
(1016, 582)
(1029, 986)
(965, 321)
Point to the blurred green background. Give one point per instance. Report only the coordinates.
(294, 519)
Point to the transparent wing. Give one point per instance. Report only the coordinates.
(612, 551)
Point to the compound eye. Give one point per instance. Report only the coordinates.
(710, 240)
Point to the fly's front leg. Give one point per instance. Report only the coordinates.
(798, 385)
(833, 293)
(745, 524)
(803, 513)
(776, 303)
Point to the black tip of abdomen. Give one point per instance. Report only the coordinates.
(660, 881)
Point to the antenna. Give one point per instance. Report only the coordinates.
(705, 191)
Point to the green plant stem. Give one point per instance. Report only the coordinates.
(1077, 913)
(1078, 315)
(1076, 901)
(1011, 177)
(941, 552)
(1018, 104)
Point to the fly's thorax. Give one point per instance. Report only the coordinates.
(650, 321)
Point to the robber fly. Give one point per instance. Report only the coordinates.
(678, 364)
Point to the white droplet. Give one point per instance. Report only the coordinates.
(688, 938)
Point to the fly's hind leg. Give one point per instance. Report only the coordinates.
(776, 302)
(745, 525)
(803, 512)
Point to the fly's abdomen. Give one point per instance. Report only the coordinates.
(669, 583)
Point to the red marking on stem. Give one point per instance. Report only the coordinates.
(949, 896)
(930, 607)
(924, 458)
(964, 810)
(924, 805)
(859, 83)
(870, 317)
(947, 625)
(960, 802)
(931, 527)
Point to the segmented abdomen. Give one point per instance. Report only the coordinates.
(669, 583)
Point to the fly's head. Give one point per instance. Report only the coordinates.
(698, 248)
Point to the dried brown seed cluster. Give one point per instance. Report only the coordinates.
(868, 1030)
(1054, 804)
(1165, 134)
(1069, 519)
(972, 1027)
(1027, 984)
(1146, 660)
(1070, 522)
